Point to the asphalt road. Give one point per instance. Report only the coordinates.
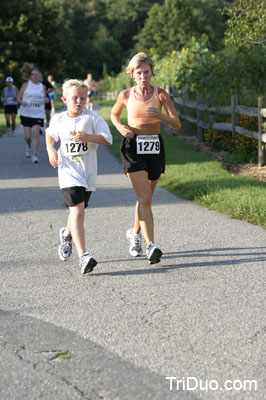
(129, 330)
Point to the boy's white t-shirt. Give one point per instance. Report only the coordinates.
(77, 163)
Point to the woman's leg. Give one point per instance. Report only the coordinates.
(144, 190)
(36, 136)
(7, 117)
(14, 122)
(27, 135)
(136, 223)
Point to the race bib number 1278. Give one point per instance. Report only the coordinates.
(76, 149)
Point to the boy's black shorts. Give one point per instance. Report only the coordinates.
(154, 164)
(75, 195)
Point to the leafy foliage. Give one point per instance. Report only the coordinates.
(170, 25)
(246, 22)
(233, 70)
(29, 31)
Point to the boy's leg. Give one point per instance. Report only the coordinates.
(77, 213)
(68, 228)
(75, 226)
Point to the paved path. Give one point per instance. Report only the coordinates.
(198, 316)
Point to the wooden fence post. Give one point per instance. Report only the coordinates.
(233, 114)
(174, 93)
(186, 114)
(199, 128)
(261, 145)
(210, 114)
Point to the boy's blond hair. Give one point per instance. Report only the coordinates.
(74, 83)
(136, 61)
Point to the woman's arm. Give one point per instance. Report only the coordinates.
(171, 117)
(20, 94)
(116, 112)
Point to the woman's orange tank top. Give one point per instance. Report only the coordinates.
(137, 116)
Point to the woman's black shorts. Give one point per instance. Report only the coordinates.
(29, 122)
(11, 109)
(75, 195)
(154, 164)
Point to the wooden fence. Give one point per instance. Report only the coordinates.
(208, 111)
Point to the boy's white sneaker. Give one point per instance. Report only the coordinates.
(154, 254)
(134, 239)
(87, 263)
(65, 246)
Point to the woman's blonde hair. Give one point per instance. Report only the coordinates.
(136, 61)
(74, 83)
(27, 69)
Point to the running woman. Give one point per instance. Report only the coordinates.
(32, 98)
(142, 148)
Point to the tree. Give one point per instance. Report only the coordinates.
(29, 31)
(246, 23)
(171, 25)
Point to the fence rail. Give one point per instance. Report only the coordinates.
(235, 109)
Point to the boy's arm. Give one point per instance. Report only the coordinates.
(52, 153)
(101, 135)
(83, 137)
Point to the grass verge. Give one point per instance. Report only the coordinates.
(197, 177)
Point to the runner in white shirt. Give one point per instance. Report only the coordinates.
(80, 131)
(32, 98)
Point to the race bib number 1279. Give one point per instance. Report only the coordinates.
(148, 144)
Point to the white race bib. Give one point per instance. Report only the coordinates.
(36, 101)
(11, 100)
(75, 149)
(148, 144)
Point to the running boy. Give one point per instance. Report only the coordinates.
(80, 131)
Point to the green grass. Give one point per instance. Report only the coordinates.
(197, 177)
(3, 122)
(63, 354)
